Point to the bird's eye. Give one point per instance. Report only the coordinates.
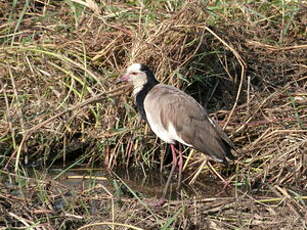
(134, 73)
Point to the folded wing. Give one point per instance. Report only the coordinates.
(187, 122)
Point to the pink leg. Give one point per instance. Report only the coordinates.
(174, 150)
(174, 163)
(180, 165)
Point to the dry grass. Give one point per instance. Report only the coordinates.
(246, 61)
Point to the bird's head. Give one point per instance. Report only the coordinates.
(138, 75)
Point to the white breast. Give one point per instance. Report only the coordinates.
(157, 127)
(167, 134)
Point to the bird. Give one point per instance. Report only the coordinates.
(176, 117)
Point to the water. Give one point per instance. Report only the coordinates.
(144, 184)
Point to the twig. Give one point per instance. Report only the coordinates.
(109, 223)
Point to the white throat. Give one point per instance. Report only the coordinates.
(137, 87)
(136, 90)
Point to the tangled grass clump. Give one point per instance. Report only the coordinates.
(245, 61)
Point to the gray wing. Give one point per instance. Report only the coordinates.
(191, 122)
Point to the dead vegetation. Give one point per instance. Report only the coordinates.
(58, 62)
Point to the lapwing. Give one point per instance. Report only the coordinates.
(175, 117)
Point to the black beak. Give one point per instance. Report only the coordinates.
(118, 81)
